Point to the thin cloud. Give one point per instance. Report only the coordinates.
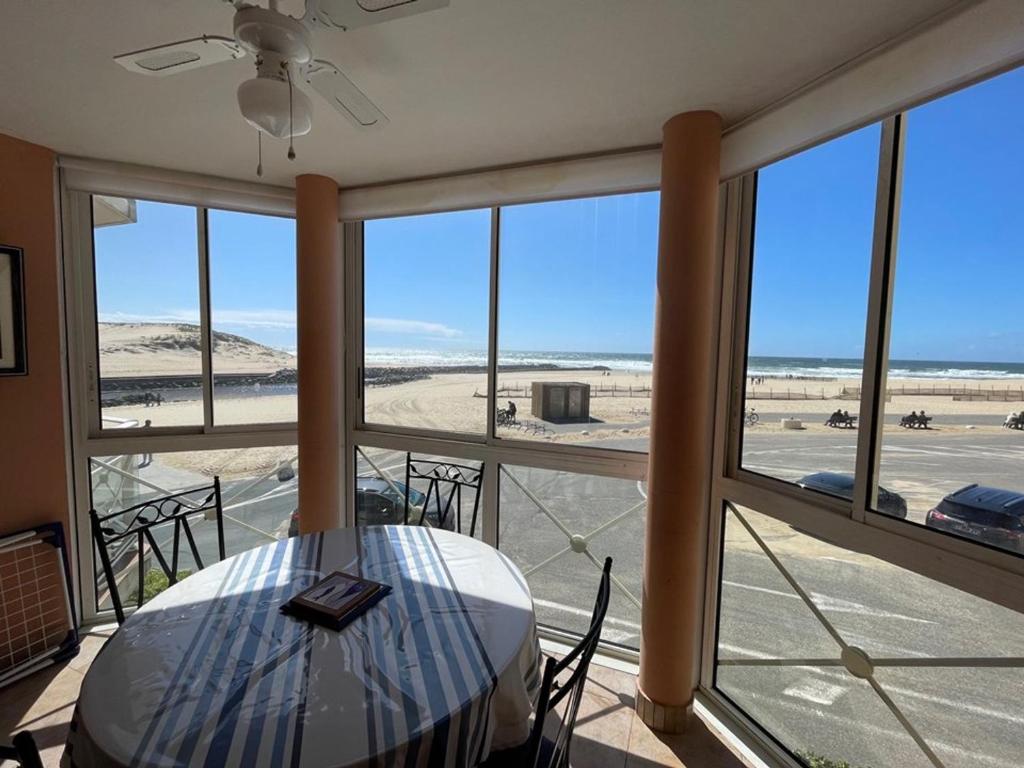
(255, 318)
(280, 318)
(239, 318)
(175, 316)
(411, 327)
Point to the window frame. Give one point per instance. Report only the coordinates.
(355, 340)
(983, 571)
(486, 447)
(84, 281)
(88, 439)
(730, 476)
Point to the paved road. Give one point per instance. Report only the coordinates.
(923, 466)
(968, 716)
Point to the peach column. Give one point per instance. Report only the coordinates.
(320, 349)
(679, 470)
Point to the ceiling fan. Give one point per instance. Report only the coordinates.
(283, 49)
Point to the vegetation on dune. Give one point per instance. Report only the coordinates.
(182, 336)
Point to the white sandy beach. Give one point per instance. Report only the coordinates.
(454, 402)
(447, 402)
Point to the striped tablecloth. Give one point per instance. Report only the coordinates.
(210, 673)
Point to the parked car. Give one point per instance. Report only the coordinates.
(837, 484)
(989, 515)
(377, 503)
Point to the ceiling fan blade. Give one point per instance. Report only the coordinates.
(178, 57)
(342, 94)
(349, 14)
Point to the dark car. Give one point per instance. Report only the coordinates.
(837, 484)
(990, 515)
(378, 503)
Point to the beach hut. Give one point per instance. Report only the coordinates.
(561, 401)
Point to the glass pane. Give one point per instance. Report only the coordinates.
(915, 638)
(426, 289)
(147, 309)
(576, 320)
(953, 440)
(443, 492)
(604, 516)
(259, 491)
(808, 305)
(924, 695)
(252, 311)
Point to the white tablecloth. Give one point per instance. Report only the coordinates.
(210, 673)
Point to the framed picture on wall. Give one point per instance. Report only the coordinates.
(12, 312)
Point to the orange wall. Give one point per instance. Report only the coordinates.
(33, 466)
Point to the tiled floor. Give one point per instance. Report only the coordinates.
(608, 734)
(43, 702)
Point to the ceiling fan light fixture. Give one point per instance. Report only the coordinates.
(263, 102)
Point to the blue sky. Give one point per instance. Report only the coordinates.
(580, 275)
(149, 271)
(575, 276)
(960, 247)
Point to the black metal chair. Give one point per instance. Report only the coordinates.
(551, 750)
(139, 521)
(443, 497)
(24, 751)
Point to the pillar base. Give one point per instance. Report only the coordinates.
(665, 718)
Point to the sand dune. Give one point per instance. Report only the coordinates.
(161, 349)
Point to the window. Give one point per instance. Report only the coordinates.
(443, 492)
(252, 314)
(558, 527)
(811, 262)
(147, 311)
(884, 265)
(259, 492)
(576, 319)
(572, 310)
(187, 315)
(953, 439)
(425, 303)
(151, 264)
(847, 658)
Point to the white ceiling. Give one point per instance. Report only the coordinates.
(482, 83)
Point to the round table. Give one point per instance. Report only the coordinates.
(211, 673)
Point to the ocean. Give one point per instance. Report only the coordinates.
(797, 367)
(622, 361)
(839, 367)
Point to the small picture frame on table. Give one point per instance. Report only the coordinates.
(13, 358)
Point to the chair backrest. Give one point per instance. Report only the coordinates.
(570, 689)
(24, 751)
(137, 523)
(446, 484)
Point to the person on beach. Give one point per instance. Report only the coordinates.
(147, 458)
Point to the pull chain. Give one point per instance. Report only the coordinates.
(259, 152)
(291, 124)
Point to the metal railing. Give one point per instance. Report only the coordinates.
(577, 543)
(856, 661)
